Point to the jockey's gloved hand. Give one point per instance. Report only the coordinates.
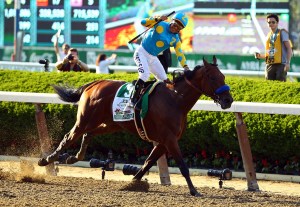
(163, 18)
(186, 67)
(160, 18)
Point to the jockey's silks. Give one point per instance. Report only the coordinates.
(160, 37)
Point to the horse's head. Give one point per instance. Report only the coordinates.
(209, 81)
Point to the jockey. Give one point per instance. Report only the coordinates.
(162, 36)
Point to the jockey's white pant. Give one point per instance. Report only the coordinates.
(148, 64)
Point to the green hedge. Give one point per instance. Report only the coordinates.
(209, 141)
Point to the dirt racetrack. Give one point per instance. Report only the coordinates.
(24, 184)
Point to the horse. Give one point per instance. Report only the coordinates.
(167, 107)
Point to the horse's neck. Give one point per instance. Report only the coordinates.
(188, 95)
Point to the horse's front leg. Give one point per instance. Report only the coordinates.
(86, 139)
(155, 154)
(174, 149)
(68, 140)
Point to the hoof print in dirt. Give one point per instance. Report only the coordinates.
(139, 186)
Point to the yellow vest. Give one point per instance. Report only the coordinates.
(273, 52)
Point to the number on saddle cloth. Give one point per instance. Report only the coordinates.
(119, 107)
(125, 90)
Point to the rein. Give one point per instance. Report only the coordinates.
(216, 93)
(190, 84)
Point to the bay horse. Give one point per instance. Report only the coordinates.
(165, 121)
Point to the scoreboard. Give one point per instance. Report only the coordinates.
(24, 21)
(80, 22)
(85, 23)
(50, 19)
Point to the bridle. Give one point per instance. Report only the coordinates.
(216, 93)
(194, 87)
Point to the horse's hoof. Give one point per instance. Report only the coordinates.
(196, 194)
(43, 162)
(71, 160)
(62, 159)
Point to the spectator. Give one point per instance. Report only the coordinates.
(278, 51)
(60, 54)
(102, 63)
(71, 62)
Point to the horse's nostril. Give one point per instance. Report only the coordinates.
(229, 100)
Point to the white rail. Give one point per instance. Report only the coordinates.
(29, 66)
(248, 107)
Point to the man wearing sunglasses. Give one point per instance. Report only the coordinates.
(278, 51)
(159, 38)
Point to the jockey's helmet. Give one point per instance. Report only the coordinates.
(181, 19)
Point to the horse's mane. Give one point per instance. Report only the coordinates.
(188, 74)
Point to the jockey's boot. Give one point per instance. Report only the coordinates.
(139, 85)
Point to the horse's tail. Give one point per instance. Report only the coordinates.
(70, 94)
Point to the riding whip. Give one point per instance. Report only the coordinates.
(150, 28)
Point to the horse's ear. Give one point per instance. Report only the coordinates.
(214, 60)
(204, 61)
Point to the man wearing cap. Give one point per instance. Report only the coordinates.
(159, 38)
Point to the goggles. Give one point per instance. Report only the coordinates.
(177, 24)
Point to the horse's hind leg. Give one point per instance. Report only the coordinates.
(174, 149)
(155, 154)
(86, 139)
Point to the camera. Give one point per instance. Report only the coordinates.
(44, 61)
(225, 174)
(108, 165)
(46, 64)
(70, 57)
(130, 169)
